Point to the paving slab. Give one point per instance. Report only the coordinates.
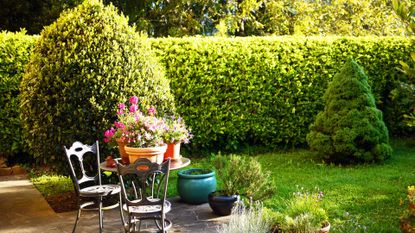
(23, 209)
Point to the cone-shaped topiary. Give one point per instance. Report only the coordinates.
(351, 128)
(82, 65)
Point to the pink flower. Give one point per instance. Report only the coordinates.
(133, 108)
(120, 112)
(151, 110)
(109, 133)
(121, 106)
(134, 100)
(119, 125)
(106, 140)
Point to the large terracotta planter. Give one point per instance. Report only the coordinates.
(124, 155)
(173, 151)
(154, 154)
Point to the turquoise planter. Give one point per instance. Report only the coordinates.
(195, 188)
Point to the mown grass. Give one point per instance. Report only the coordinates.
(360, 198)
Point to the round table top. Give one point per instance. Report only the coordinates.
(174, 165)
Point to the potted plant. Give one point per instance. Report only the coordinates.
(137, 134)
(241, 177)
(176, 133)
(407, 220)
(303, 213)
(195, 184)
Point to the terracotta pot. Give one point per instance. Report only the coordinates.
(173, 151)
(124, 155)
(325, 229)
(154, 154)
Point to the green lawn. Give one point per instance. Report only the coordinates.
(363, 198)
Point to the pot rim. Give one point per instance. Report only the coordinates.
(182, 174)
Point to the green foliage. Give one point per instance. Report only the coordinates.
(267, 90)
(351, 128)
(32, 15)
(15, 50)
(243, 176)
(406, 10)
(336, 17)
(82, 65)
(302, 213)
(49, 184)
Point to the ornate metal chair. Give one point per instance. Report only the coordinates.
(144, 189)
(87, 182)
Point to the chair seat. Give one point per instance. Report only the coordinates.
(100, 190)
(145, 209)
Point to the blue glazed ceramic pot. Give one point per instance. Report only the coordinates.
(194, 185)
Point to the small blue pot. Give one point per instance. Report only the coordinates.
(195, 188)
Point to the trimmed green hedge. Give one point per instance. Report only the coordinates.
(14, 55)
(268, 89)
(233, 91)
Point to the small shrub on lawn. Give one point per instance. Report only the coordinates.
(83, 64)
(243, 176)
(351, 128)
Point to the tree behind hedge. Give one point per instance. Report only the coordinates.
(351, 128)
(81, 67)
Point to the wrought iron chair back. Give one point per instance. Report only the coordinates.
(144, 183)
(78, 151)
(87, 183)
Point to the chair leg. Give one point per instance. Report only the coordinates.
(121, 212)
(100, 215)
(78, 215)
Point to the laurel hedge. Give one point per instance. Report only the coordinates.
(268, 90)
(15, 50)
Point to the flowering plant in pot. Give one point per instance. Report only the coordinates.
(137, 134)
(175, 134)
(241, 178)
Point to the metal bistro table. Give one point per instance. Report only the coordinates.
(174, 165)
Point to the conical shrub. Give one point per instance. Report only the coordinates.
(351, 128)
(83, 65)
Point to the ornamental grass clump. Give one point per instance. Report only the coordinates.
(351, 128)
(246, 220)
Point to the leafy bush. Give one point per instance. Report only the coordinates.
(82, 65)
(268, 90)
(243, 176)
(15, 50)
(351, 128)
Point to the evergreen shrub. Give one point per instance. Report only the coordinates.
(351, 128)
(82, 65)
(268, 90)
(15, 50)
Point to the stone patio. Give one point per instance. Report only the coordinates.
(23, 209)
